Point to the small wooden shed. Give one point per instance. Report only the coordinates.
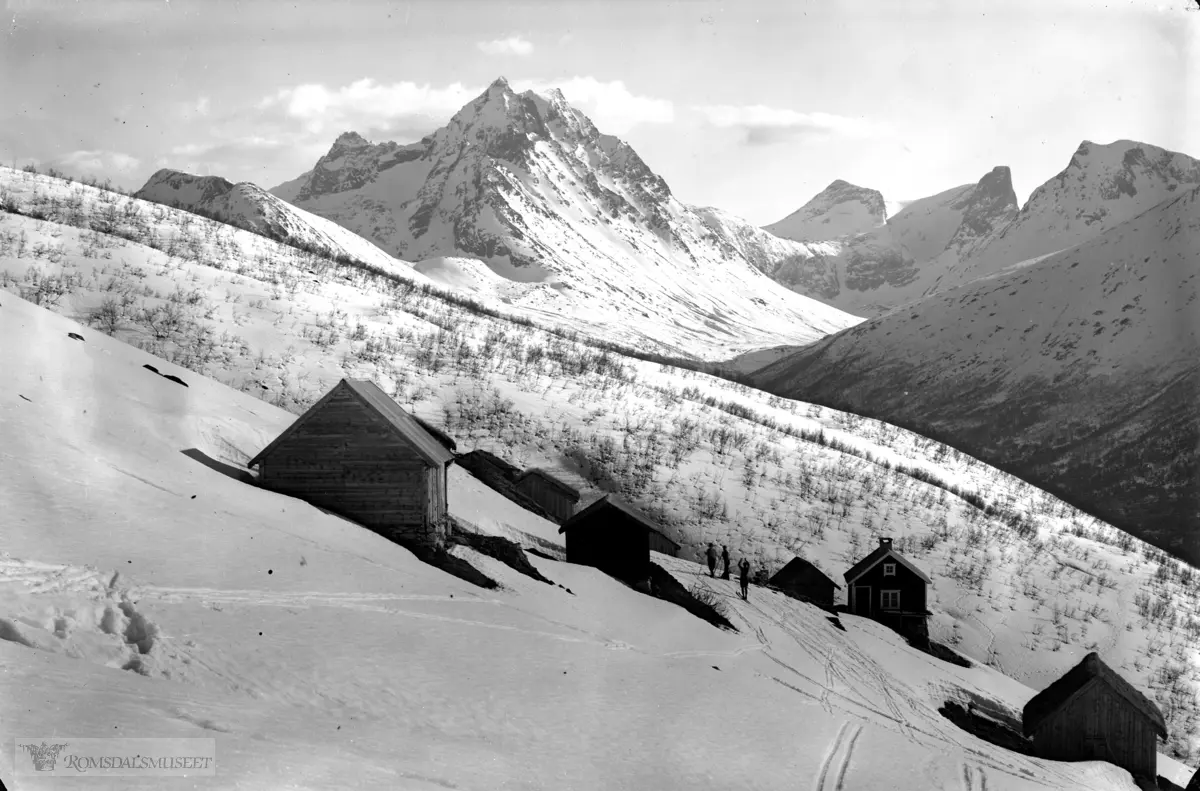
(551, 493)
(488, 467)
(616, 538)
(1092, 714)
(357, 453)
(800, 579)
(887, 587)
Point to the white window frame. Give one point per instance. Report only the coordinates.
(885, 595)
(889, 569)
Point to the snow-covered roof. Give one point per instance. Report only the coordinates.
(405, 425)
(1091, 668)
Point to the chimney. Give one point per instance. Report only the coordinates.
(885, 542)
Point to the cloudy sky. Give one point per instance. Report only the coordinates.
(749, 106)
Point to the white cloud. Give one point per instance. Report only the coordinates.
(762, 124)
(513, 45)
(366, 104)
(96, 163)
(406, 108)
(611, 106)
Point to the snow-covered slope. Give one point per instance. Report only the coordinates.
(1021, 582)
(252, 208)
(1101, 187)
(805, 267)
(528, 185)
(872, 272)
(1078, 373)
(145, 591)
(841, 209)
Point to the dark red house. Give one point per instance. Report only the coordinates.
(800, 579)
(616, 538)
(1092, 714)
(887, 587)
(357, 453)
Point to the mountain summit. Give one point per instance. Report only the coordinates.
(572, 221)
(841, 209)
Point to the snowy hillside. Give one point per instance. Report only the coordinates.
(841, 209)
(192, 604)
(1077, 373)
(908, 256)
(254, 209)
(1101, 187)
(785, 261)
(572, 217)
(1021, 582)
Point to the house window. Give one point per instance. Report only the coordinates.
(890, 600)
(889, 569)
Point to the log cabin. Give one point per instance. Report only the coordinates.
(616, 538)
(357, 453)
(551, 493)
(885, 586)
(1092, 714)
(800, 579)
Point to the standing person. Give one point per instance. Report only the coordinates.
(725, 560)
(744, 568)
(712, 560)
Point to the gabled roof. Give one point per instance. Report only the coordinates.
(401, 422)
(1090, 669)
(549, 478)
(610, 501)
(870, 561)
(508, 468)
(441, 436)
(798, 566)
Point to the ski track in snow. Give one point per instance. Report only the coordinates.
(838, 758)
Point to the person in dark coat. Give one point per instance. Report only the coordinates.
(712, 560)
(725, 560)
(744, 569)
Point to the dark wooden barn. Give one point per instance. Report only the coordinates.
(1092, 714)
(616, 538)
(549, 492)
(357, 453)
(800, 579)
(887, 587)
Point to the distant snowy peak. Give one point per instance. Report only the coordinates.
(841, 209)
(527, 184)
(1101, 187)
(986, 207)
(173, 187)
(352, 161)
(873, 271)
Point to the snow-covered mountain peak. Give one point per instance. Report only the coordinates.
(348, 140)
(841, 209)
(572, 217)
